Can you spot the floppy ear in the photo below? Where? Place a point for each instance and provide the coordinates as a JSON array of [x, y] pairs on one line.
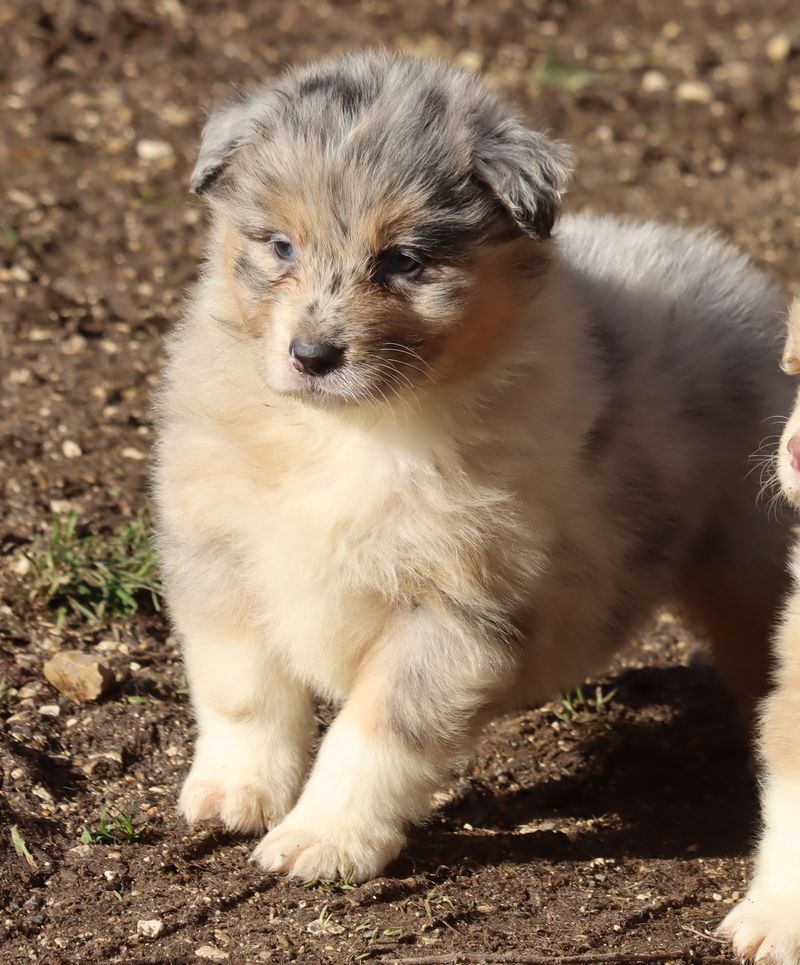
[[526, 170], [790, 363], [226, 130]]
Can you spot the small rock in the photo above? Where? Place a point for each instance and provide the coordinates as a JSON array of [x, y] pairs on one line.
[[71, 449], [150, 927], [74, 345], [654, 81], [79, 675], [694, 92], [43, 794], [49, 710], [208, 951], [779, 48], [31, 689], [150, 150], [21, 566], [130, 453], [22, 198], [61, 507], [19, 376], [81, 851], [470, 59]]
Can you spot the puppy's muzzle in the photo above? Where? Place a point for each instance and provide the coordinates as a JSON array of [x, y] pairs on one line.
[[315, 358]]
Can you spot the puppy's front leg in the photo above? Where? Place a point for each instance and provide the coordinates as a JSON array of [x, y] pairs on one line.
[[255, 727], [414, 707], [765, 926]]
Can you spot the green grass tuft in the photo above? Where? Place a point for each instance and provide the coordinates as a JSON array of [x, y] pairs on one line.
[[551, 72], [97, 576], [342, 885], [116, 826], [576, 703], [9, 235], [20, 846]]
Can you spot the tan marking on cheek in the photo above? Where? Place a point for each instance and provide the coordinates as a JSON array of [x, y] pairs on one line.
[[488, 319], [231, 247]]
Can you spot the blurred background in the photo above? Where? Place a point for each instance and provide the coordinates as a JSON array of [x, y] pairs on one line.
[[600, 822]]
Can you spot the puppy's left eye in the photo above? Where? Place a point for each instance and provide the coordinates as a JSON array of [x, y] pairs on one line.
[[396, 264], [283, 248]]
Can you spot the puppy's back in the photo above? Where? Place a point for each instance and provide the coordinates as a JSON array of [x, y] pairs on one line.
[[686, 331]]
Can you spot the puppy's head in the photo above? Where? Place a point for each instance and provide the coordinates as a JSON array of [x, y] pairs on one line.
[[789, 450], [378, 219]]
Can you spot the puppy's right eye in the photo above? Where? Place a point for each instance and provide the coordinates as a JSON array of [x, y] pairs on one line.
[[283, 248]]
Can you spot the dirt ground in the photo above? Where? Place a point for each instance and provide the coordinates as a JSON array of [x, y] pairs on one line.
[[613, 826]]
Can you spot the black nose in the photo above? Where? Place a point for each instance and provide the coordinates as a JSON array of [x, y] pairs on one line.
[[315, 358]]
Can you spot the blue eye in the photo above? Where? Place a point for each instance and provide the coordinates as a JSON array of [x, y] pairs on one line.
[[283, 248]]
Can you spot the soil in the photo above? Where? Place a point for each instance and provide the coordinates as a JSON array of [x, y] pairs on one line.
[[620, 829]]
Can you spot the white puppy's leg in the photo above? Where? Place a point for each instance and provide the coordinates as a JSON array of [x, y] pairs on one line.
[[255, 725], [765, 926], [412, 710]]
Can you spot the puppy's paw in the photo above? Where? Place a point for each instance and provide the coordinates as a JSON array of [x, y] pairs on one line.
[[245, 797], [243, 808], [327, 853], [764, 930]]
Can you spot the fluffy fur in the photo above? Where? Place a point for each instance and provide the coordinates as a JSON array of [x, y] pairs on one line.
[[527, 443], [765, 926]]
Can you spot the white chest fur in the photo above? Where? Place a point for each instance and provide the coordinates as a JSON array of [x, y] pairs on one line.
[[331, 543]]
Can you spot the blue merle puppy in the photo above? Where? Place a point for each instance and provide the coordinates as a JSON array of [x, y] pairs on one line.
[[428, 457]]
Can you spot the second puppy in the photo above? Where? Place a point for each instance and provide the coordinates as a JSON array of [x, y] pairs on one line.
[[765, 926], [423, 459]]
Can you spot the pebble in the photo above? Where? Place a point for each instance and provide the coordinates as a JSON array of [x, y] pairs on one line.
[[81, 851], [324, 928], [694, 92], [22, 198], [79, 675], [130, 453], [779, 48], [43, 794], [19, 376], [71, 449], [73, 345], [151, 150], [210, 952], [61, 507], [149, 927], [654, 81], [49, 710], [21, 566], [470, 59], [29, 690]]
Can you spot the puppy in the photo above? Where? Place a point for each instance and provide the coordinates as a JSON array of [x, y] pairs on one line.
[[765, 926], [422, 459]]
